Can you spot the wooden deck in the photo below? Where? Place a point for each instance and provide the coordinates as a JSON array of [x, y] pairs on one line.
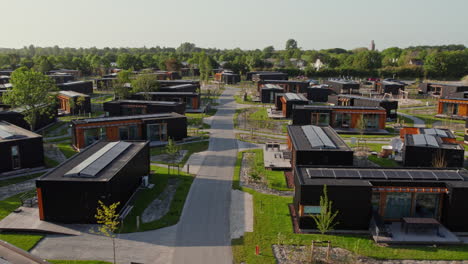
[[275, 159], [431, 237]]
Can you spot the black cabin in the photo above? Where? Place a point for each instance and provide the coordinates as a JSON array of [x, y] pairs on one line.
[[19, 148], [138, 107], [106, 171]]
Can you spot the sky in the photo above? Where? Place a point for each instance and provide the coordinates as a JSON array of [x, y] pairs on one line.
[[245, 24]]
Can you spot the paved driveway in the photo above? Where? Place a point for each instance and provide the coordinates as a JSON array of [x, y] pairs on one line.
[[203, 232], [201, 236]]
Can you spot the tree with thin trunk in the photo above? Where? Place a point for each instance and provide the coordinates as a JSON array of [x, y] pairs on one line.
[[80, 101], [32, 91], [325, 220], [172, 150], [108, 220]]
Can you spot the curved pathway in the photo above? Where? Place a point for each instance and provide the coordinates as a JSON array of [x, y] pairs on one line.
[[417, 121]]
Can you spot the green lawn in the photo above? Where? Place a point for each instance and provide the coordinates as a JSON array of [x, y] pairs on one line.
[[146, 196], [259, 114], [272, 225], [195, 119], [51, 131], [102, 99], [240, 100], [405, 120], [275, 179], [23, 241], [382, 162], [66, 149], [50, 163], [72, 117], [191, 147], [385, 137], [78, 262], [19, 179]]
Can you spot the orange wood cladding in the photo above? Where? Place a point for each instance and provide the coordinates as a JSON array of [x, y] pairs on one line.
[[64, 103], [195, 104], [462, 106], [283, 102], [112, 130], [40, 205], [355, 115]]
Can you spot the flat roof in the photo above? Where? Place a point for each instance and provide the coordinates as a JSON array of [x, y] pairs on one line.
[[272, 86], [331, 107], [145, 102], [99, 162], [270, 73], [454, 98], [441, 132], [429, 141], [73, 83], [121, 118], [352, 176], [178, 86], [365, 98], [392, 83], [312, 137], [168, 93], [11, 132], [455, 84], [285, 81], [320, 86], [72, 94], [294, 97], [343, 81]]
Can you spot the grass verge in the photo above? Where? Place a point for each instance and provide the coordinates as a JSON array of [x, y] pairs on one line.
[[275, 179], [66, 148], [272, 225], [190, 147], [78, 262], [19, 179], [145, 197], [23, 241]]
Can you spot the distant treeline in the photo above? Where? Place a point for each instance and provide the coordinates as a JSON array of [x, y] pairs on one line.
[[443, 62]]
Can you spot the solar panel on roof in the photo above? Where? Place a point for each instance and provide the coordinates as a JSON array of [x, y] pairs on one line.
[[372, 174], [347, 174], [436, 132], [99, 160], [448, 175], [425, 140], [397, 175], [323, 137]]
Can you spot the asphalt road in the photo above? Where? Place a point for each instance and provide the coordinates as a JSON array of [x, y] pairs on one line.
[[203, 231]]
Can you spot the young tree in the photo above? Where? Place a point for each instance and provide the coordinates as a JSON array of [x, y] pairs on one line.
[[172, 150], [325, 220], [145, 83], [108, 220], [80, 101], [31, 91]]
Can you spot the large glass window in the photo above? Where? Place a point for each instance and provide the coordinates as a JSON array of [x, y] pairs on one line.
[[128, 132], [312, 210], [94, 134], [123, 133], [15, 157], [342, 120], [426, 205], [321, 119], [398, 205], [157, 132], [375, 201], [371, 120]]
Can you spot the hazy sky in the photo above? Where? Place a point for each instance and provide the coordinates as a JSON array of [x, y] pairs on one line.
[[247, 24]]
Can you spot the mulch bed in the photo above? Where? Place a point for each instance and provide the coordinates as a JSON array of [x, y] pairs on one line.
[[289, 179], [294, 219]]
